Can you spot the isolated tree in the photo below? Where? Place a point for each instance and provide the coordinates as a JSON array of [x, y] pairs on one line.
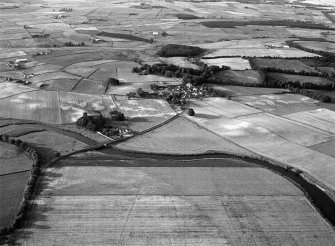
[[190, 112]]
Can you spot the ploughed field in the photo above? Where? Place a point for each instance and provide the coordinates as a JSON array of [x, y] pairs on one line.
[[113, 199]]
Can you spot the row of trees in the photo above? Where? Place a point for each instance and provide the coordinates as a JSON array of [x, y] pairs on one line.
[[27, 194], [274, 82], [317, 95], [70, 44], [189, 75]]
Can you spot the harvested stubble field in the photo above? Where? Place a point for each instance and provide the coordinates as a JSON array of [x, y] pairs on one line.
[[40, 106], [320, 118], [246, 78], [54, 107], [294, 65], [279, 104], [8, 89], [183, 137], [145, 113], [288, 129], [168, 202], [73, 105], [325, 148], [266, 143], [214, 107]]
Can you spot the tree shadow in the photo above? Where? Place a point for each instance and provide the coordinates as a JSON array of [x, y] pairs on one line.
[[207, 116]]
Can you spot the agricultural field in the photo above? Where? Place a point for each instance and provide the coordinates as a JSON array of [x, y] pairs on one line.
[[66, 57], [20, 130], [319, 118], [317, 46], [48, 144], [13, 160], [12, 188], [145, 113], [15, 168], [54, 107], [183, 137], [8, 89], [295, 65], [234, 90], [279, 104], [178, 61], [290, 130], [325, 148], [40, 106], [243, 78], [216, 106], [163, 201], [73, 105], [264, 142], [259, 52], [312, 82], [235, 63]]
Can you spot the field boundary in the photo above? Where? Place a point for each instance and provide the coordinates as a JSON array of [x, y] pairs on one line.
[[30, 185]]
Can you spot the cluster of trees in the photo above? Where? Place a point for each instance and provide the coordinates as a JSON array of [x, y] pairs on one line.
[[180, 50], [96, 121], [189, 75], [113, 81], [91, 122], [65, 10], [317, 95], [35, 171], [70, 44], [117, 116]]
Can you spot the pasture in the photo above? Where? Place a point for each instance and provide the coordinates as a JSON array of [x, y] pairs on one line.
[[244, 78], [235, 63], [317, 46], [12, 188], [309, 82], [295, 65]]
